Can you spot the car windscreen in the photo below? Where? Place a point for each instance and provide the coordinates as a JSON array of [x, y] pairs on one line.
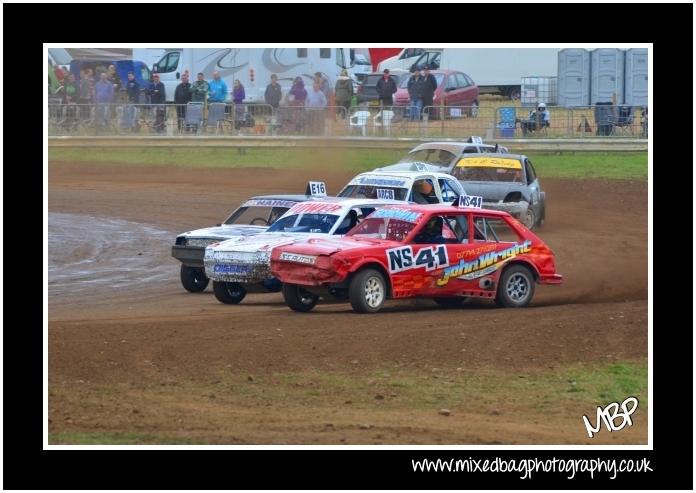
[[374, 192], [488, 169], [383, 228], [259, 212], [436, 157], [304, 223]]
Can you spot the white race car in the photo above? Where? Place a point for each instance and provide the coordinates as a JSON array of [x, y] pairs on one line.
[[242, 264], [251, 218], [415, 184]]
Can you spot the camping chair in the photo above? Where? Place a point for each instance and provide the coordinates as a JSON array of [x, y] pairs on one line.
[[383, 119], [358, 120], [507, 121], [194, 117], [622, 120], [216, 114], [603, 114]]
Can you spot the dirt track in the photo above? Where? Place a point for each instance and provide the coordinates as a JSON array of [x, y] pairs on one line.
[[148, 356]]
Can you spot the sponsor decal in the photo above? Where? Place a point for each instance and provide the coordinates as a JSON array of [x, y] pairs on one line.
[[230, 269], [314, 208], [379, 181], [385, 193], [489, 162], [296, 257], [473, 201], [403, 258], [484, 264], [400, 214], [268, 203]]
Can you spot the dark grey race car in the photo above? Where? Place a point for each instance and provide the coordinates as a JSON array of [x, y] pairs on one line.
[[507, 182]]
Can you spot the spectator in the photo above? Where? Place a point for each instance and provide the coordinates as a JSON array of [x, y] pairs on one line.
[[415, 93], [316, 104], [132, 89], [217, 89], [70, 89], [325, 87], [344, 92], [273, 93], [298, 93], [158, 98], [199, 89], [238, 96], [103, 96], [85, 94], [182, 96], [386, 87], [538, 119], [428, 90], [113, 77]]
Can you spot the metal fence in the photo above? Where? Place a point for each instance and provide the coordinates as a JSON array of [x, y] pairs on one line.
[[221, 119]]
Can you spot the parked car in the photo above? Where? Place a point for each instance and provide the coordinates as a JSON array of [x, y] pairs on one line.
[[367, 91], [446, 253], [454, 88], [507, 182]]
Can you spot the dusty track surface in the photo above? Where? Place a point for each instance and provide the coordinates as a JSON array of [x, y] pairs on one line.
[[136, 353]]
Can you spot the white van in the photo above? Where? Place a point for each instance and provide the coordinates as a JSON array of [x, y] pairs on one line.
[[252, 66]]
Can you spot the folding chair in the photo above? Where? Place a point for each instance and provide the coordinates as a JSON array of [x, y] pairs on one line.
[[383, 119], [216, 114], [359, 120], [622, 121], [507, 121], [194, 117]]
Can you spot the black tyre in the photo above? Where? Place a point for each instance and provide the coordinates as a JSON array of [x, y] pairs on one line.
[[193, 279], [451, 302], [230, 293], [298, 298], [516, 287], [367, 291]]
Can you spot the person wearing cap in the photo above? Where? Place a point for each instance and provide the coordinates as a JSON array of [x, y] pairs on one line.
[[538, 119], [428, 91], [386, 87]]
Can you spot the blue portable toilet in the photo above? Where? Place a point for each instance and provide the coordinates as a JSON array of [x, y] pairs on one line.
[[573, 77], [636, 77], [607, 76]]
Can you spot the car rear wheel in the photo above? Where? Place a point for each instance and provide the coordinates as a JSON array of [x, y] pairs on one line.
[[367, 291], [299, 299], [516, 287], [193, 279], [230, 293], [452, 302]]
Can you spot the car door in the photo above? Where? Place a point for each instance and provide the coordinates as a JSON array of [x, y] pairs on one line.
[[468, 92], [532, 181], [450, 92]]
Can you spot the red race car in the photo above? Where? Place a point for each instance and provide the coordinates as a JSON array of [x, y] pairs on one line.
[[447, 253]]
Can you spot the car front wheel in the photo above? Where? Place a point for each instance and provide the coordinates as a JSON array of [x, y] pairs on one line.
[[229, 293], [529, 218], [367, 291], [193, 279], [516, 287], [298, 298]]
